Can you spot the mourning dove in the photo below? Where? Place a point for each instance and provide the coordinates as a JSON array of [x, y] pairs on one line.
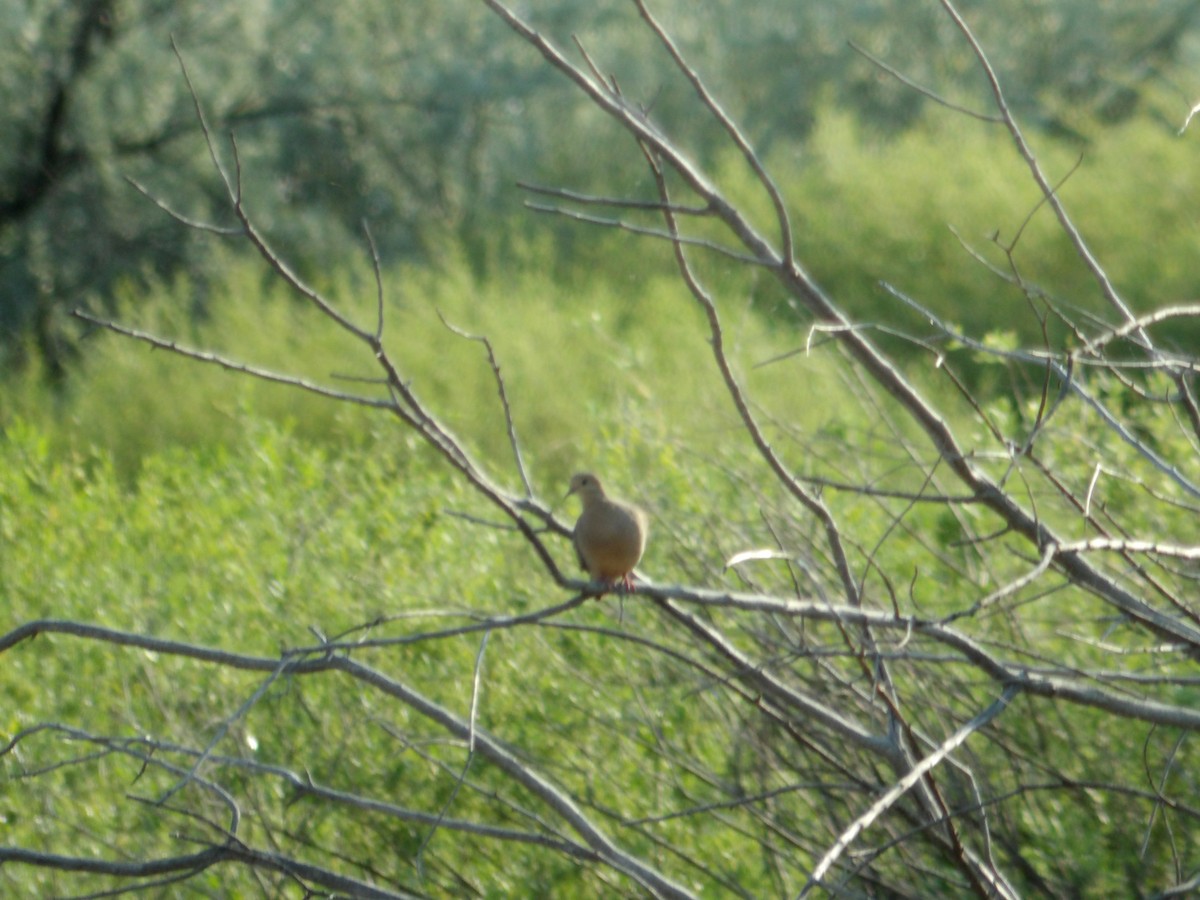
[[609, 535]]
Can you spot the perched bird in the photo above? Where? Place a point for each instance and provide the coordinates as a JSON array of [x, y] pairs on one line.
[[609, 535]]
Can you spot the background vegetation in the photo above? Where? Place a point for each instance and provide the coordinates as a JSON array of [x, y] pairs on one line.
[[160, 498], [420, 117]]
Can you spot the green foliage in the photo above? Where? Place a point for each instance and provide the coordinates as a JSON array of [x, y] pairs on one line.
[[579, 361], [250, 548], [418, 117], [597, 318], [258, 548], [911, 211], [263, 542]]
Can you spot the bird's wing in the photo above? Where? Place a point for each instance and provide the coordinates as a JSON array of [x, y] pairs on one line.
[[578, 552]]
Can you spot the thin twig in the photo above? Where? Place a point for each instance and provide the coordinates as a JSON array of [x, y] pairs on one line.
[[223, 231], [880, 806], [232, 365], [622, 225], [471, 720], [1107, 288], [654, 206], [735, 134], [510, 426], [376, 269], [920, 88]]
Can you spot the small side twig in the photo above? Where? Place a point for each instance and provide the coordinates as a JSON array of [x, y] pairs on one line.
[[783, 220], [232, 365], [511, 428], [920, 88]]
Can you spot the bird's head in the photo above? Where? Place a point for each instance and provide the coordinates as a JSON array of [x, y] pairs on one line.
[[587, 486]]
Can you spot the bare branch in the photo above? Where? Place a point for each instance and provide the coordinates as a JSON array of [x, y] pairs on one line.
[[1068, 226], [906, 783], [644, 231], [921, 89], [180, 217], [194, 863], [739, 140], [510, 427], [620, 202], [231, 365]]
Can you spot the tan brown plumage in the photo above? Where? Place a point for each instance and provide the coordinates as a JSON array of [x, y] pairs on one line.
[[610, 536]]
